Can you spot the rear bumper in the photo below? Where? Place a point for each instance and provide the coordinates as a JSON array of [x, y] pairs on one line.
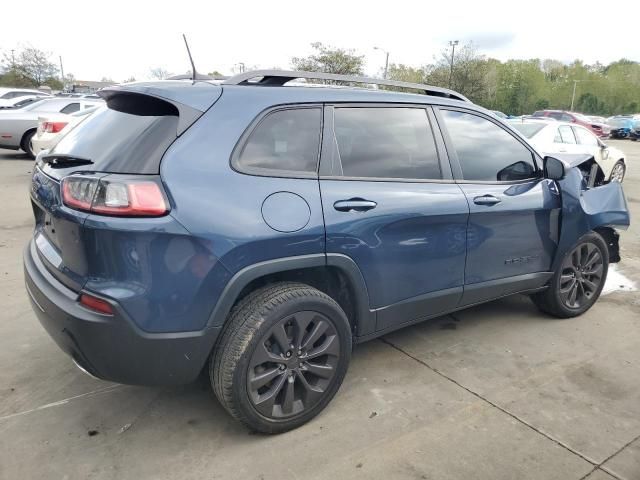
[[112, 347]]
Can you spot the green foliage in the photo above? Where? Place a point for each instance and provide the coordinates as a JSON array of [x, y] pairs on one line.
[[28, 67], [522, 86], [330, 60]]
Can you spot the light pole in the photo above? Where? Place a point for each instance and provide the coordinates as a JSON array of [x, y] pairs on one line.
[[452, 44], [573, 95], [62, 72], [240, 66], [386, 61]]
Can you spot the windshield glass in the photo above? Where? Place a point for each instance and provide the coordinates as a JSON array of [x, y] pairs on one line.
[[620, 122], [528, 129], [581, 117]]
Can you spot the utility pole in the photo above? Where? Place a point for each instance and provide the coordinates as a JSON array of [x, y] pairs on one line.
[[13, 60], [61, 72], [386, 62], [573, 95], [241, 66], [452, 44]]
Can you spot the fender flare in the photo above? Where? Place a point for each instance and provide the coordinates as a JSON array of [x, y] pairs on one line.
[[365, 318]]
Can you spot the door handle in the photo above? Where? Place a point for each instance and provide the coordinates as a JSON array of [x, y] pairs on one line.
[[354, 204], [486, 200]]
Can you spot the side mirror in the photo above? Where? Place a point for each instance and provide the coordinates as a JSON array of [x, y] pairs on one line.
[[553, 168]]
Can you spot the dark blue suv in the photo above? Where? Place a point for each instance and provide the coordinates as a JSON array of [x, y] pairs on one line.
[[256, 230]]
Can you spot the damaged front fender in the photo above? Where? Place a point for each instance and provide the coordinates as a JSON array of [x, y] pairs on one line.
[[586, 208]]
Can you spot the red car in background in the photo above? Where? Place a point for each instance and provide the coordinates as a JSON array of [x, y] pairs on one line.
[[602, 130]]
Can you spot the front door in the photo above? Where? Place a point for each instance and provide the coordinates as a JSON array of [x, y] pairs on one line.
[[514, 211], [391, 206]]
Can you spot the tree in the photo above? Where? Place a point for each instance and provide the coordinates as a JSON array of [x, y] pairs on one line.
[[330, 60], [32, 65], [469, 76], [215, 74], [130, 79], [406, 73], [159, 73]]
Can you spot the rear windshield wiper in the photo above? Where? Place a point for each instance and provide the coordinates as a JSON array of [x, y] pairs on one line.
[[63, 161]]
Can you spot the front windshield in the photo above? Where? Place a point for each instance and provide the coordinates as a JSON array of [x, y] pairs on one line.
[[579, 116], [620, 122], [528, 129]]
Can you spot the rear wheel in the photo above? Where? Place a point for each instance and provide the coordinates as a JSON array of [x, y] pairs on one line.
[[27, 143], [617, 172], [282, 357], [577, 283]]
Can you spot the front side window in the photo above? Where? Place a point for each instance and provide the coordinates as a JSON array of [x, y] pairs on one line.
[[285, 140], [487, 152], [585, 137], [386, 143], [566, 135]]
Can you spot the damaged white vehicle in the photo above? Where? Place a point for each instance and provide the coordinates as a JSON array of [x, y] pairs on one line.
[[558, 138]]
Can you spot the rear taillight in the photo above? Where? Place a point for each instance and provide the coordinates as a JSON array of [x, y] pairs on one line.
[[126, 197], [96, 304], [53, 127]]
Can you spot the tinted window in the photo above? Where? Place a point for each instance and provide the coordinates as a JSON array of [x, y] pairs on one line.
[[120, 142], [386, 143], [566, 134], [72, 107], [284, 140], [566, 118], [585, 137], [486, 151]]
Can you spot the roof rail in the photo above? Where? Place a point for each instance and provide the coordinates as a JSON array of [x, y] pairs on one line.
[[280, 77]]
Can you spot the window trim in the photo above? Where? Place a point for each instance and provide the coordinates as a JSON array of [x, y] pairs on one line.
[[453, 156], [268, 172], [329, 134]]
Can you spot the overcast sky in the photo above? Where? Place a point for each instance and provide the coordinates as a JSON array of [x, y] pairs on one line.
[[118, 39]]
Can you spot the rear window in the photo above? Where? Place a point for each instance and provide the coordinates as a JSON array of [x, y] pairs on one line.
[[119, 142], [528, 129]]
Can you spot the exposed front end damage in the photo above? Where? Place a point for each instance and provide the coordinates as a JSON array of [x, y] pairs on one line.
[[588, 203]]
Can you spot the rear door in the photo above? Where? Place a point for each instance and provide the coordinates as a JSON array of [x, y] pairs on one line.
[[391, 206], [513, 222]]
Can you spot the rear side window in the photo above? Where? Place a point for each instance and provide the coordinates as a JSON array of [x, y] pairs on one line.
[[120, 142], [386, 143], [485, 151], [71, 108], [283, 141]]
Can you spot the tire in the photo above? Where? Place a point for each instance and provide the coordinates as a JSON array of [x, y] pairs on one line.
[[572, 274], [617, 172], [26, 145], [252, 364]]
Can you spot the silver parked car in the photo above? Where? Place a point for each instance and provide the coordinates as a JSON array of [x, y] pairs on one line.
[[17, 127]]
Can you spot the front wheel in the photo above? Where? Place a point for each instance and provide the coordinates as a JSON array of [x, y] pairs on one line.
[[617, 172], [577, 283], [282, 357]]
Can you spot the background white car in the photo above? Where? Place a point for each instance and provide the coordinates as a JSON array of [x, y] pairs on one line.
[[8, 95], [18, 127], [550, 138], [51, 128]]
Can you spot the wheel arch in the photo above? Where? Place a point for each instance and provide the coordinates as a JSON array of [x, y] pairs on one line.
[[25, 134], [334, 274]]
